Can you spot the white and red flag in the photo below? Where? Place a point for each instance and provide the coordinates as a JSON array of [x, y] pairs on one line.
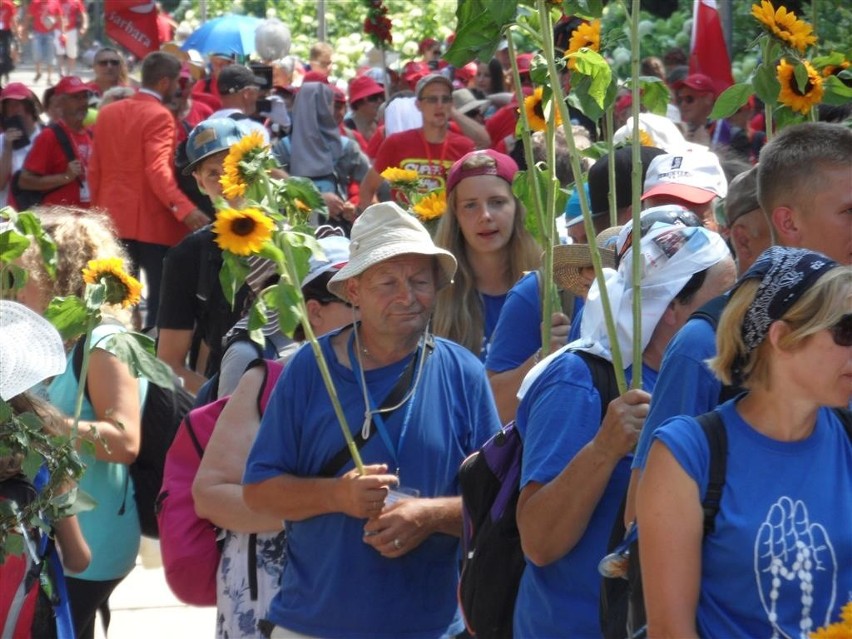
[[708, 53], [133, 25]]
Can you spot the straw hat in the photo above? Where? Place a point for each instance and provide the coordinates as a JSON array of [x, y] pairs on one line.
[[568, 259], [32, 349], [384, 231]]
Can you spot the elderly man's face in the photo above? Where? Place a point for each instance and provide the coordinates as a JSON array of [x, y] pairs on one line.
[[396, 296]]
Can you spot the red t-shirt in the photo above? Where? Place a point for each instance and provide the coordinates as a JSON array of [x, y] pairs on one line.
[[46, 15], [408, 150], [7, 14], [46, 157], [73, 11]]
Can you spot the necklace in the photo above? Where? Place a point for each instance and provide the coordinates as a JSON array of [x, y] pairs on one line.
[[368, 412]]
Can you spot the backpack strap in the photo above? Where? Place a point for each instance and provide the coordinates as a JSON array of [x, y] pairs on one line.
[[64, 141], [717, 439], [603, 378], [338, 461]]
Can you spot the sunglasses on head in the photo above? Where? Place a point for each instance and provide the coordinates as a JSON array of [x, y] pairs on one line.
[[435, 99], [664, 216], [841, 332], [112, 63]]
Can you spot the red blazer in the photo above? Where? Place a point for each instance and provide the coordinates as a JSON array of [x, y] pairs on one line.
[[131, 171]]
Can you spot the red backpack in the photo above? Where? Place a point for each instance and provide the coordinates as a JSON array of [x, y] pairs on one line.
[[188, 543]]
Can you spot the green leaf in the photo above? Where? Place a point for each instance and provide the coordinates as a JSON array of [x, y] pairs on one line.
[[12, 245], [286, 300], [14, 545], [305, 190], [5, 412], [69, 315], [835, 91], [800, 72], [654, 93], [595, 77], [596, 151], [479, 27], [257, 314], [95, 296], [766, 83], [584, 8], [832, 59], [32, 463], [784, 117], [137, 351], [12, 277], [731, 99], [82, 503], [232, 275], [538, 71]]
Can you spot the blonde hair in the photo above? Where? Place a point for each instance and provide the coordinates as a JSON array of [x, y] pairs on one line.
[[459, 312], [820, 307], [80, 235]]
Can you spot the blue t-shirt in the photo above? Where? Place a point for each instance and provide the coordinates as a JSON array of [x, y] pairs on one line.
[[782, 543], [518, 332], [111, 528], [492, 305], [559, 415], [686, 386], [334, 585]]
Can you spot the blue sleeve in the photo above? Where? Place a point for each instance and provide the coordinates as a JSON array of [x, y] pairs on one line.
[[518, 332], [685, 439], [558, 416], [685, 386]]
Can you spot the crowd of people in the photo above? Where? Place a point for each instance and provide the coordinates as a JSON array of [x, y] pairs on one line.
[[434, 342]]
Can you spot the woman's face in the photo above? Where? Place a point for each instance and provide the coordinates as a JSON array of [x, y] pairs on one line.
[[483, 77], [823, 369], [485, 210]]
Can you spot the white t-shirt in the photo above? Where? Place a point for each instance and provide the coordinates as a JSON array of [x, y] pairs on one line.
[[18, 157]]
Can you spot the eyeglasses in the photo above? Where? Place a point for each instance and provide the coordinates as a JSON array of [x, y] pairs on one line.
[[111, 63], [435, 99], [841, 332]]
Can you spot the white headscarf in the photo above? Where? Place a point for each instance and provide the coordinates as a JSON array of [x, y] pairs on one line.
[[401, 115], [671, 254]]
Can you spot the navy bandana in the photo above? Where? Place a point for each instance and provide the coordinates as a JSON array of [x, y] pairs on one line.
[[785, 275]]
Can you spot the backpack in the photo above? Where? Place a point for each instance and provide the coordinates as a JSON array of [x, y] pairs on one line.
[[492, 559], [26, 199], [162, 413], [630, 610], [188, 543]]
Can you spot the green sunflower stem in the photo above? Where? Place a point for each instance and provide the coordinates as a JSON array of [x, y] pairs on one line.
[[636, 202], [767, 107], [289, 269], [81, 382], [538, 198], [576, 169], [613, 205]]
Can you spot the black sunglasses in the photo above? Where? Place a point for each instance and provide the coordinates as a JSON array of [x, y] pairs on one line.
[[113, 63], [841, 332]]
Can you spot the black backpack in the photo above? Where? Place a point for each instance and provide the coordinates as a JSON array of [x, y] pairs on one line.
[[492, 560], [26, 199], [162, 413]]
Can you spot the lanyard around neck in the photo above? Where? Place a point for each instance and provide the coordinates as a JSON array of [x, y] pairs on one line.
[[374, 414]]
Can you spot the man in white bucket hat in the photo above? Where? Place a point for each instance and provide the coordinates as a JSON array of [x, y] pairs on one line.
[[374, 555]]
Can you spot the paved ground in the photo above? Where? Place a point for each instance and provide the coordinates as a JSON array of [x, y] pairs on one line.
[[143, 607]]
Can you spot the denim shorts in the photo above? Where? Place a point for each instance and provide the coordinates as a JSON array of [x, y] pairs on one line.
[[43, 50]]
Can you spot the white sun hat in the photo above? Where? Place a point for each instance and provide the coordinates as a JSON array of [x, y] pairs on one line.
[[31, 349], [384, 231]]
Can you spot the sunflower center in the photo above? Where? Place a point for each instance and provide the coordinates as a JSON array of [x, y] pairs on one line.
[[538, 109], [243, 226], [794, 86]]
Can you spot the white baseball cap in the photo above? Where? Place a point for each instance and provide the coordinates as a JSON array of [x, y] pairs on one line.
[[696, 177]]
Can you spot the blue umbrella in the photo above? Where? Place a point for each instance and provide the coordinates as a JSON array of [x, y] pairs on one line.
[[232, 34]]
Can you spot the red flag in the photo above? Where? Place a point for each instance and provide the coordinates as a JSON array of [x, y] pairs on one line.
[[133, 25], [708, 53]]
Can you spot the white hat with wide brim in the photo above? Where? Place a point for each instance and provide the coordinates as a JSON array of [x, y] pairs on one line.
[[384, 231], [31, 349]]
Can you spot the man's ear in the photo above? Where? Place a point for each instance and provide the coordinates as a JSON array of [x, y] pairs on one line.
[[314, 311], [785, 222], [352, 286]]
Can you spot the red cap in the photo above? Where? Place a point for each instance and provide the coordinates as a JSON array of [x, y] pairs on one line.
[[339, 95], [698, 82], [504, 168], [17, 91], [363, 86], [70, 84], [524, 62], [315, 76], [427, 43], [466, 73]]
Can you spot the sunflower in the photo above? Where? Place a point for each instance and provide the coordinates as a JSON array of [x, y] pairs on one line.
[[784, 25], [535, 111], [432, 206], [834, 69], [398, 176], [791, 96], [121, 288], [587, 35], [243, 231], [234, 181], [840, 630]]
